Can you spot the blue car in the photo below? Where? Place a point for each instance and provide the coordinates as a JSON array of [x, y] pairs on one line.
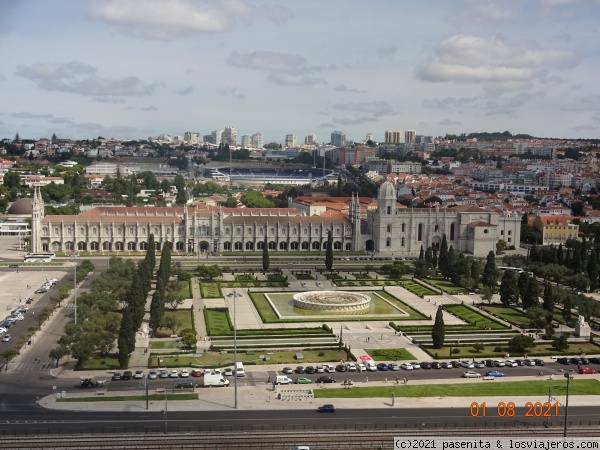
[[382, 366], [494, 373]]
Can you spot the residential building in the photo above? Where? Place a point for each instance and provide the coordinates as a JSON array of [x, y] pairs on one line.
[[229, 136], [556, 230], [393, 137], [310, 139], [409, 137], [290, 140], [338, 138]]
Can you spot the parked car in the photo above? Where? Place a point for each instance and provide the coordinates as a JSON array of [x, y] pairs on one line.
[[499, 363], [326, 409], [3, 330], [197, 373], [529, 362], [309, 370], [126, 375], [174, 374], [447, 365], [540, 362], [361, 367], [393, 366], [406, 366], [184, 373], [425, 365], [164, 373], [228, 372], [325, 379], [320, 369], [303, 380], [6, 338], [489, 363], [510, 363], [416, 365], [494, 373], [467, 365], [288, 370], [436, 365], [564, 361], [479, 364], [329, 368], [455, 364], [138, 375], [595, 360], [299, 369], [29, 301], [584, 370], [352, 367], [341, 368], [152, 375], [116, 376], [382, 367], [520, 362], [470, 374]]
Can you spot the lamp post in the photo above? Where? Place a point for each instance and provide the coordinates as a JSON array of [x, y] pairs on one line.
[[74, 258], [568, 376], [235, 396]]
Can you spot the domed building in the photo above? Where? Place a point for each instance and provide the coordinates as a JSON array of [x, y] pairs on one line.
[[21, 207], [13, 223]]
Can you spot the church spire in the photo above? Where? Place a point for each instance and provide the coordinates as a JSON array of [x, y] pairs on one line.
[[37, 213]]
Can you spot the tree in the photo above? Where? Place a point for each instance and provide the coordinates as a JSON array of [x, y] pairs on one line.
[[157, 306], [438, 332], [538, 317], [58, 353], [509, 289], [548, 299], [189, 338], [521, 343], [487, 294], [443, 257], [173, 296], [560, 343], [126, 340], [478, 347], [522, 283], [329, 252], [490, 272], [172, 323], [151, 252], [209, 271], [532, 294], [265, 255]]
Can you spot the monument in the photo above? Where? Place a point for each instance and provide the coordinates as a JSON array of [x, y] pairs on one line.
[[333, 301], [582, 329]]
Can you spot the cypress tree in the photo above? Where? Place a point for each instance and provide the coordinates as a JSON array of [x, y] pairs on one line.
[[522, 283], [151, 252], [592, 270], [443, 257], [532, 296], [421, 254], [490, 273], [560, 255], [329, 251], [429, 257], [265, 255], [157, 306], [509, 288], [126, 340], [548, 304], [438, 332]]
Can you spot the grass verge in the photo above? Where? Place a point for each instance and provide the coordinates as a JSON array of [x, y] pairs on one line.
[[475, 389]]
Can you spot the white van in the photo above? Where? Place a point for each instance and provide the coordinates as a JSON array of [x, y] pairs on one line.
[[371, 366], [282, 379], [239, 370]]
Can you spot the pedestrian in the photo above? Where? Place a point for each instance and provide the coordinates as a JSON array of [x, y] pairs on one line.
[[405, 381], [397, 379], [385, 380], [366, 379]]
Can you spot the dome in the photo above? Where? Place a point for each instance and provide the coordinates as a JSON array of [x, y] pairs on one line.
[[387, 191], [22, 206]]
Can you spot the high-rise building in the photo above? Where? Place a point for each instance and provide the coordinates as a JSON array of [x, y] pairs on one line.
[[338, 138], [310, 139], [191, 137], [217, 136], [229, 136], [369, 137], [246, 141], [409, 137], [393, 137], [257, 141], [290, 140]]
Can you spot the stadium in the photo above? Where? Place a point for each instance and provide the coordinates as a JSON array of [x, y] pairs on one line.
[[261, 176]]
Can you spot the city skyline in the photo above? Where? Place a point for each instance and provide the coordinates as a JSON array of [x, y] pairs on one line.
[[129, 70]]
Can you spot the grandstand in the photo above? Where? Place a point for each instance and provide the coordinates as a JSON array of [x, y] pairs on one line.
[[261, 176]]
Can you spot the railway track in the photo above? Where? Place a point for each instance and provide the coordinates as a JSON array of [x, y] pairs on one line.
[[338, 440]]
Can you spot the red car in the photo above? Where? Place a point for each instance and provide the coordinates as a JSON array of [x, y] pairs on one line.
[[586, 370]]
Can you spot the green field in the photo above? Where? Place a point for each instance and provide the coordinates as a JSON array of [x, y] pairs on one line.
[[446, 286], [509, 314], [417, 288], [390, 354], [474, 389], [184, 316], [472, 317]]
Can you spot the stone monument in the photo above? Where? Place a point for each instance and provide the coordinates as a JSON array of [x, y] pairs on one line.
[[582, 329]]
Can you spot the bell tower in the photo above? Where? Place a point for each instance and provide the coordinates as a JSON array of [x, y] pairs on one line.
[[37, 213]]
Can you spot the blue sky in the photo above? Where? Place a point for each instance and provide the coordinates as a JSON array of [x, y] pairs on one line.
[[139, 68]]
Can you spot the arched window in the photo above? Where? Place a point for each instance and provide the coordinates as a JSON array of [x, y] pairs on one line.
[[451, 231], [119, 246], [272, 245], [260, 245], [348, 246], [294, 245], [283, 246], [131, 246], [403, 227], [94, 246], [389, 210], [388, 242], [249, 246], [143, 246], [227, 245], [179, 246], [315, 246], [81, 246], [389, 228], [305, 246], [420, 232], [239, 245], [337, 245], [402, 242]]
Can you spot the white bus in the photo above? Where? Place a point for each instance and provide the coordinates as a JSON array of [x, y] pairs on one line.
[[39, 257], [239, 370]]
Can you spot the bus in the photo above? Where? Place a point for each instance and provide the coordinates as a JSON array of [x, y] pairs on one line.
[[39, 257]]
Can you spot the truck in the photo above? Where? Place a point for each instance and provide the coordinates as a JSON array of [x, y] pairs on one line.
[[213, 378]]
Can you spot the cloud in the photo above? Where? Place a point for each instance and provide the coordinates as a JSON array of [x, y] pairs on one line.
[[149, 108], [95, 129], [174, 19], [449, 122], [448, 102], [82, 79], [584, 128], [587, 103], [478, 12], [108, 100], [234, 93], [283, 68], [386, 52], [357, 113], [472, 59], [327, 125], [509, 105], [49, 117], [344, 88], [185, 91]]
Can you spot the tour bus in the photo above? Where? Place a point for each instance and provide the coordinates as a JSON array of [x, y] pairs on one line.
[[39, 257], [239, 370]]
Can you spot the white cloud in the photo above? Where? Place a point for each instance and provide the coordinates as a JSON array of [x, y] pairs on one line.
[[82, 79], [149, 108], [357, 113], [448, 102], [449, 122], [587, 103], [472, 59], [511, 104], [283, 68], [49, 117], [185, 91], [173, 19]]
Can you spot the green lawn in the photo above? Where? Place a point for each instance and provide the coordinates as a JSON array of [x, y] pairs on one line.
[[183, 315], [184, 289], [390, 354], [210, 290], [446, 285], [218, 322], [160, 345], [472, 317], [217, 359], [99, 362], [417, 289], [509, 314], [474, 389]]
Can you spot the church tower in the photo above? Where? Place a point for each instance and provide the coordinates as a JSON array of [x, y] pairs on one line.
[[356, 223], [37, 213]]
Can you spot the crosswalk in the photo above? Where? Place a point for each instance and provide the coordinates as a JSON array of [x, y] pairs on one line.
[[29, 366]]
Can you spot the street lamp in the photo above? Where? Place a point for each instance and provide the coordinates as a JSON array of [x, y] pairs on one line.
[[235, 396], [74, 258], [568, 376]]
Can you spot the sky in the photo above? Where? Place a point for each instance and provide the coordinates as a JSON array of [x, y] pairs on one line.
[[131, 69]]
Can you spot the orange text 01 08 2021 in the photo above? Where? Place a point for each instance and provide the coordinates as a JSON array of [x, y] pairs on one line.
[[508, 409]]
